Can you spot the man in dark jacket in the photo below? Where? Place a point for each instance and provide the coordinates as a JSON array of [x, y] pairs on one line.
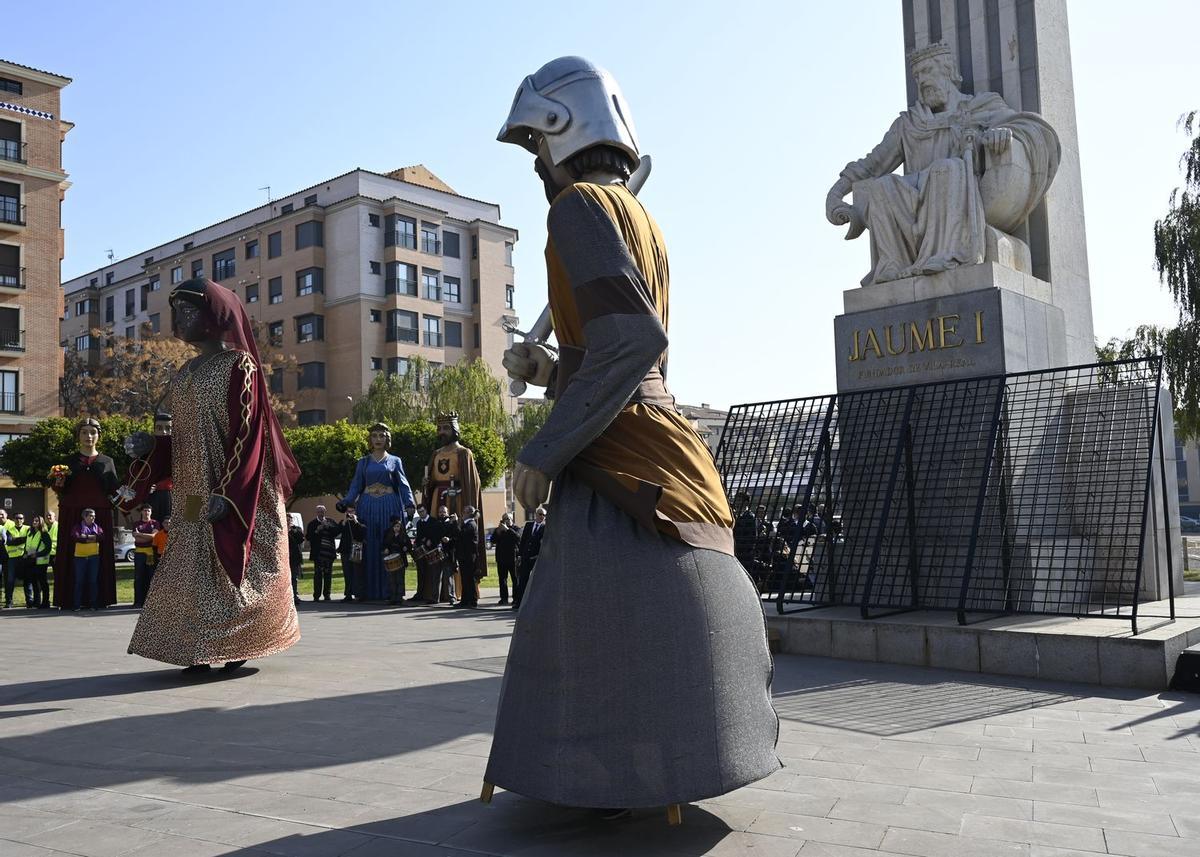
[[466, 553], [426, 537], [506, 539], [531, 544], [354, 535], [322, 549]]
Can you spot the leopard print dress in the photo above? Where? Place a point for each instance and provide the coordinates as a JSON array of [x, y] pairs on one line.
[[194, 614]]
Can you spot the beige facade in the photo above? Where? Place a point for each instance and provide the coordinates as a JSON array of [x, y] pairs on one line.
[[353, 276], [32, 187]]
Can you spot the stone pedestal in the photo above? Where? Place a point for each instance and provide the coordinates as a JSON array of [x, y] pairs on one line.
[[964, 323]]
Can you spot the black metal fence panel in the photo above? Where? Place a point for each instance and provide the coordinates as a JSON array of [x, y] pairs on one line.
[[1025, 493]]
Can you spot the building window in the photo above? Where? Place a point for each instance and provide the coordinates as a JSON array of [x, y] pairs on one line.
[[310, 328], [376, 364], [130, 305], [275, 290], [429, 239], [452, 289], [401, 279], [274, 245], [85, 306], [312, 376], [224, 266], [310, 234], [197, 268], [454, 334], [144, 297], [13, 86], [176, 276], [433, 331], [155, 285], [187, 245], [508, 296], [450, 245], [400, 232], [147, 261], [478, 339], [433, 288], [373, 220], [129, 332], [110, 309], [94, 282], [311, 199], [108, 278], [314, 417], [11, 210], [475, 290], [252, 293], [474, 246], [155, 323], [376, 268], [397, 366], [310, 280], [375, 316], [402, 326], [252, 249], [276, 381], [287, 209], [83, 343], [10, 395], [508, 251], [275, 333]]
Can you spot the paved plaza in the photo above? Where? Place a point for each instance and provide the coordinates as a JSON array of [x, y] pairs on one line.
[[371, 735]]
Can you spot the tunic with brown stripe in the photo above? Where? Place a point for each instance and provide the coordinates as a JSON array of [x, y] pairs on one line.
[[614, 422]]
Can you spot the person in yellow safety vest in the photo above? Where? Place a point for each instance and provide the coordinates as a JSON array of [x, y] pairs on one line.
[[52, 528], [18, 532], [37, 562]]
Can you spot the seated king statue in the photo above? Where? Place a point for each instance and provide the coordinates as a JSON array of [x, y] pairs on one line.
[[974, 169]]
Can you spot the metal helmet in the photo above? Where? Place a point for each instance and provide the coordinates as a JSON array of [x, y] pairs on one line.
[[572, 104]]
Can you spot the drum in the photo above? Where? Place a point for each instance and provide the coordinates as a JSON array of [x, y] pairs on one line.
[[393, 562]]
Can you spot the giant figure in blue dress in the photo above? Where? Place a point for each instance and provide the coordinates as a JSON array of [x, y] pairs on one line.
[[378, 491]]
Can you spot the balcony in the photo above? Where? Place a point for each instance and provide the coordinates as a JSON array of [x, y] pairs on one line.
[[403, 334], [12, 340], [397, 238], [12, 214], [432, 246], [434, 339], [12, 151], [12, 277], [397, 286], [12, 403]]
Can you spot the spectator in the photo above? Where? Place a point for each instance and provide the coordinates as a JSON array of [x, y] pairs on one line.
[[531, 545], [52, 527], [506, 539], [295, 551], [18, 532], [4, 551], [144, 557], [160, 538], [466, 553], [37, 562], [353, 537], [744, 530], [396, 548], [86, 537], [322, 549]]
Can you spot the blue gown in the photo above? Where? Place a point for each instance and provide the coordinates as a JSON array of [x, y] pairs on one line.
[[376, 514]]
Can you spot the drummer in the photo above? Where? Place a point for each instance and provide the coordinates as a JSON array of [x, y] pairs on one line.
[[427, 555], [396, 548]]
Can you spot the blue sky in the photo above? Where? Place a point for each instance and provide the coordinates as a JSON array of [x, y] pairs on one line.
[[183, 111]]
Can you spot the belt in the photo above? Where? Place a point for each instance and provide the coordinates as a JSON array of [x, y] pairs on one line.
[[378, 489], [652, 390]]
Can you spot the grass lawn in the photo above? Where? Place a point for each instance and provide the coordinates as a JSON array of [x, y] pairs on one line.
[[125, 580]]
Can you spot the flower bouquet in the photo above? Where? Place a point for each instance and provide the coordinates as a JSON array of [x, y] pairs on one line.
[[58, 475]]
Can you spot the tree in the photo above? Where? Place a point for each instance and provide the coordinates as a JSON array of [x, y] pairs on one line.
[[326, 455], [425, 390], [531, 418], [132, 375], [27, 460], [1177, 260]]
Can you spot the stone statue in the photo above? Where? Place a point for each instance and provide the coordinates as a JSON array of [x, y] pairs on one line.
[[974, 169]]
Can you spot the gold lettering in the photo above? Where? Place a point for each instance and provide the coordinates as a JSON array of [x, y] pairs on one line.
[[916, 341], [855, 354], [979, 327], [945, 329], [887, 341], [873, 343]]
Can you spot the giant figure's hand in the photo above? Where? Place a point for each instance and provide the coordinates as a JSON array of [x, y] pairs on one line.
[[529, 362], [531, 487], [218, 508], [997, 140]]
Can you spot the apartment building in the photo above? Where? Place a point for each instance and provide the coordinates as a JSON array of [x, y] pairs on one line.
[[353, 276], [32, 187]]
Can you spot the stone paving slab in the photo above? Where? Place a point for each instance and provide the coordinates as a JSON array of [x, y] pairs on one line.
[[371, 735]]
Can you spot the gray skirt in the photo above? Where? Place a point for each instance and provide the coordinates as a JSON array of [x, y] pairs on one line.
[[638, 674]]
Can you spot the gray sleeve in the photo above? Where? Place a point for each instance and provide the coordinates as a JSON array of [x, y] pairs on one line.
[[623, 335], [880, 161]]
